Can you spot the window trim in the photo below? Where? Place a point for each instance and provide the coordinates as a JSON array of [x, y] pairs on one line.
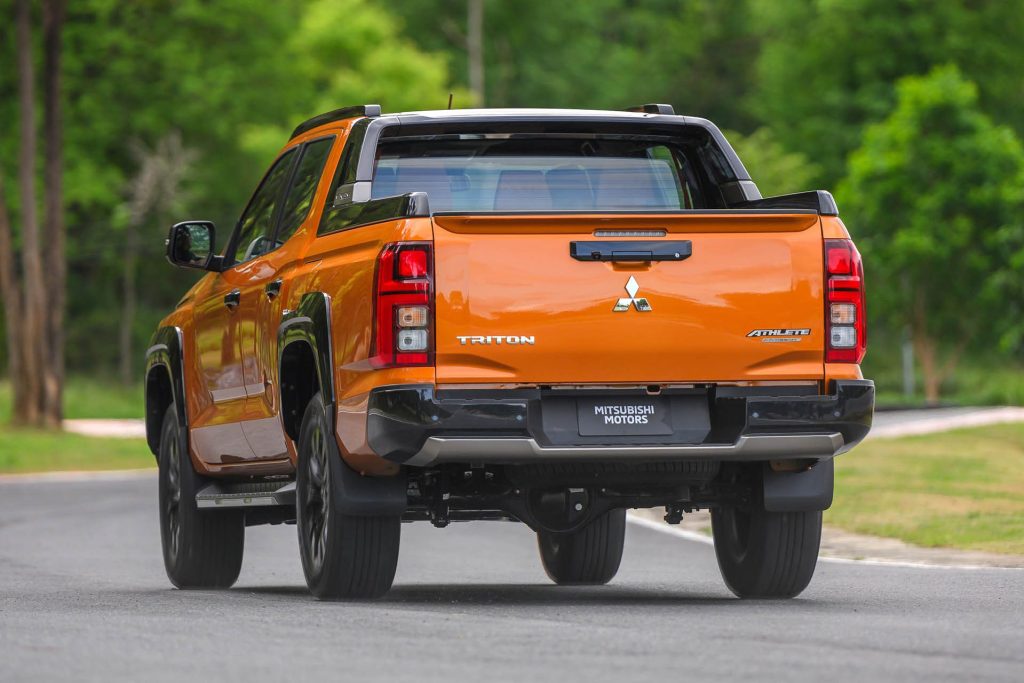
[[232, 245], [373, 130], [291, 180]]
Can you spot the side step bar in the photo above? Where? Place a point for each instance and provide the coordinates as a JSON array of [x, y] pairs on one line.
[[246, 494]]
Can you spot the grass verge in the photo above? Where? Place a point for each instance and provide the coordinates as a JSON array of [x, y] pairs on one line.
[[977, 380], [88, 398], [23, 450], [960, 489]]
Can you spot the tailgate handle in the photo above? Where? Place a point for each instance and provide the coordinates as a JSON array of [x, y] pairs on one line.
[[631, 251]]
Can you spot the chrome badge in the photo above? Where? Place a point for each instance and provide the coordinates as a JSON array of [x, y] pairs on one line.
[[639, 302], [777, 335], [513, 339]]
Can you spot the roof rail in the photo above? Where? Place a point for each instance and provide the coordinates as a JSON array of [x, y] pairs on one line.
[[371, 110], [654, 109]]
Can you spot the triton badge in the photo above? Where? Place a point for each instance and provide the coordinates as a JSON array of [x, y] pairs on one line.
[[639, 302], [502, 339]]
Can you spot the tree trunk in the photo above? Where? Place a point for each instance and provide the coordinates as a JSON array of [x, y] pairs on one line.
[[128, 303], [924, 347], [32, 330], [152, 191], [928, 350], [53, 22], [37, 331], [475, 49], [10, 293]]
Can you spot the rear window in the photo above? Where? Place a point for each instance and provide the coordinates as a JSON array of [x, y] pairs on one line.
[[500, 173]]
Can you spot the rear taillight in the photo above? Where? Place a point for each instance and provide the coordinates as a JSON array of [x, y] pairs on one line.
[[403, 308], [845, 319]]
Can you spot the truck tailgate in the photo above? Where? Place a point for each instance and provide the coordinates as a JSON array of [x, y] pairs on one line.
[[514, 306]]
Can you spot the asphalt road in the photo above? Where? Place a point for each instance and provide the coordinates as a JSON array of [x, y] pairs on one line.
[[83, 596]]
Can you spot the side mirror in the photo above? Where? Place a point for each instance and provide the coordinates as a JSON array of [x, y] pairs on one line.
[[190, 245]]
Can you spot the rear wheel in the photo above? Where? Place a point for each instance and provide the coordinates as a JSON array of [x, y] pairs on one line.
[[588, 556], [343, 556], [766, 554], [201, 549]]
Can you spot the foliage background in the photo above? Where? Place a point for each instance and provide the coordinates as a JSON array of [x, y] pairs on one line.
[[809, 91]]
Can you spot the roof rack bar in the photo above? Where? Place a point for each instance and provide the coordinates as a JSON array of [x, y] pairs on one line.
[[654, 109], [370, 110]]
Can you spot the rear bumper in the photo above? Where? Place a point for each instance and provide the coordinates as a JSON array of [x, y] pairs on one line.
[[416, 425]]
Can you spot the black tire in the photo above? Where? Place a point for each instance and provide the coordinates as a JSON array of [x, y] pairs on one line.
[[343, 556], [201, 549], [589, 556], [765, 554]]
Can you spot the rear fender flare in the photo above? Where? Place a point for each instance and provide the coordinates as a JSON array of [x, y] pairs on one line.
[[310, 324]]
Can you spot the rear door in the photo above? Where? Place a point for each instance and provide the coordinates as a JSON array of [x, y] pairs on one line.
[[262, 315], [225, 323], [513, 303]]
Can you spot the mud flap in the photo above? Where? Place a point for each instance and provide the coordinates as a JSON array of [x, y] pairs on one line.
[[799, 491], [368, 496]]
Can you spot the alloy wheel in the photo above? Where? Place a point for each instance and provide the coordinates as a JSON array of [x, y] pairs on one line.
[[316, 508], [172, 499]]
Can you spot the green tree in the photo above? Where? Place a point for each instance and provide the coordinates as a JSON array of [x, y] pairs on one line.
[[233, 77], [135, 72], [828, 68], [603, 54], [936, 191], [349, 52]]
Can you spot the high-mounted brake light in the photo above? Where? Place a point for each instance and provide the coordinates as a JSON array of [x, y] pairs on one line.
[[845, 316], [403, 306]]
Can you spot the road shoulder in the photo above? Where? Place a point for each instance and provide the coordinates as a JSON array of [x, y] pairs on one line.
[[844, 545]]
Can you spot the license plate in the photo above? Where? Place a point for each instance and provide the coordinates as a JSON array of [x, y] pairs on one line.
[[624, 416]]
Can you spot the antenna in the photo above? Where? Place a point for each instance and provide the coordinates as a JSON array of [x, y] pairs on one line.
[[450, 96]]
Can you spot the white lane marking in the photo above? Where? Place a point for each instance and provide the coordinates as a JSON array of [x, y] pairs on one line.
[[707, 540], [874, 562], [77, 475]]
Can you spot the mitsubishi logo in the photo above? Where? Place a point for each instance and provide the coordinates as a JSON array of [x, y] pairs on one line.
[[639, 302]]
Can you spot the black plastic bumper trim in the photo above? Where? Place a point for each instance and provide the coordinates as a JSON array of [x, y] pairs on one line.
[[400, 419]]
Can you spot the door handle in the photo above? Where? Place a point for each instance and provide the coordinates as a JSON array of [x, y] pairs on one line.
[[631, 251], [232, 299], [272, 289]]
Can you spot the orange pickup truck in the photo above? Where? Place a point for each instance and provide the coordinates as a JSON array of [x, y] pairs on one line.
[[544, 316]]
